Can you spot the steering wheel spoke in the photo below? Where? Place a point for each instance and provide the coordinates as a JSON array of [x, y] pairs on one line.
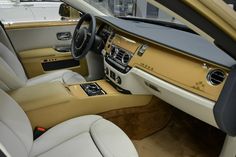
[[83, 38]]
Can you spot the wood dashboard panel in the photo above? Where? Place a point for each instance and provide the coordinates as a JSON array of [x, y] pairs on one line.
[[125, 43], [184, 71]]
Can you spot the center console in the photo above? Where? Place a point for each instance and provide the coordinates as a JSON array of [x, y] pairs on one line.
[[118, 54], [55, 102], [118, 58]]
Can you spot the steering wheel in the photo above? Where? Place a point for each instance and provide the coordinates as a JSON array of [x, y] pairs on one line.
[[83, 38]]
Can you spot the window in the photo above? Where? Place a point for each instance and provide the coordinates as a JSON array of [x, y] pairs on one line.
[[29, 11], [136, 8]]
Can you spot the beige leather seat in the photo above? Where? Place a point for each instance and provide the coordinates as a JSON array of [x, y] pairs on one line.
[[12, 74], [86, 136]]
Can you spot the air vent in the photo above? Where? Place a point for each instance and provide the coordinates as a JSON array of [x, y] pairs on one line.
[[119, 55], [216, 77], [126, 58]]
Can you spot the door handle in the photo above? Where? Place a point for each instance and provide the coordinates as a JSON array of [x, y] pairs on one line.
[[64, 36]]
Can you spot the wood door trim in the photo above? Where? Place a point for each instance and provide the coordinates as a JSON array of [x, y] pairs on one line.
[[25, 25]]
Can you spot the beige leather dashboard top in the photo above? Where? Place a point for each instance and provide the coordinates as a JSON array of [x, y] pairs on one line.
[[177, 68]]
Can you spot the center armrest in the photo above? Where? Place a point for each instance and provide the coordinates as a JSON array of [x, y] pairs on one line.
[[41, 95]]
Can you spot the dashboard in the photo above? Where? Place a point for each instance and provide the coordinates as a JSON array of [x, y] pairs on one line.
[[189, 81], [195, 75]]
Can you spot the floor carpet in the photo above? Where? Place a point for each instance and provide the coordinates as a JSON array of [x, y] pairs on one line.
[[184, 136]]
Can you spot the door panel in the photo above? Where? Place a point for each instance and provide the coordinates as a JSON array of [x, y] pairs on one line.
[[35, 61], [38, 35], [35, 45]]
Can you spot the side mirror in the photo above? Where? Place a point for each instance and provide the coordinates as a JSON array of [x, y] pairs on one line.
[[64, 10]]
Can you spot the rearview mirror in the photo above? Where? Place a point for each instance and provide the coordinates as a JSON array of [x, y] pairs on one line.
[[64, 10], [67, 12]]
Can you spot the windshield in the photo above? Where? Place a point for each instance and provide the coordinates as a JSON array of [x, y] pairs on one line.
[[131, 8]]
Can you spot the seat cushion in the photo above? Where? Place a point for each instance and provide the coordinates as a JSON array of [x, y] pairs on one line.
[[64, 76], [86, 136]]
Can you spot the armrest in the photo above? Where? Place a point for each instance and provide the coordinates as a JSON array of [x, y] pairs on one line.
[[41, 95]]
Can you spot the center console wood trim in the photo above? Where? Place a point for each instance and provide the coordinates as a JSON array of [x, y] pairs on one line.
[[51, 103], [79, 93]]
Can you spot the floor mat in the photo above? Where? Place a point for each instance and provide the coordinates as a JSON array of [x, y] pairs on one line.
[[184, 136]]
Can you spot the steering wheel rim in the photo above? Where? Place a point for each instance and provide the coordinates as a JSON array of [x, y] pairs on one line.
[[83, 38]]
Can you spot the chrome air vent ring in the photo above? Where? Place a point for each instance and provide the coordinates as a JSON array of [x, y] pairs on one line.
[[120, 55], [126, 58], [216, 77]]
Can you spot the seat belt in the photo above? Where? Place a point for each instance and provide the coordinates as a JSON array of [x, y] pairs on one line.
[[38, 131]]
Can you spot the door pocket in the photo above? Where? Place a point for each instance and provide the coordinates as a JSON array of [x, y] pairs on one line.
[[62, 64]]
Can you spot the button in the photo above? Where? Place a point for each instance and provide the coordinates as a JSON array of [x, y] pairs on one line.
[[118, 80], [106, 71], [112, 75], [127, 69], [142, 50]]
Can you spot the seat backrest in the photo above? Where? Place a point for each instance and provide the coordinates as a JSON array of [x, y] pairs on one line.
[[15, 129], [12, 74]]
